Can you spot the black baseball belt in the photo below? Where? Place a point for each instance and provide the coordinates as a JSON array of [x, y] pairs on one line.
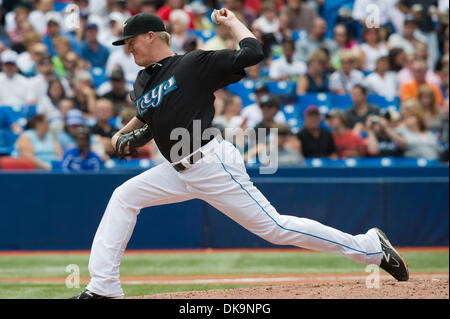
[[194, 157]]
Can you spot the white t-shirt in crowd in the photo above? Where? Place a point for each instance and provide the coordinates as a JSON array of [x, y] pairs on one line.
[[268, 26], [15, 91], [338, 80], [372, 54], [254, 115], [386, 86], [126, 62], [280, 67]]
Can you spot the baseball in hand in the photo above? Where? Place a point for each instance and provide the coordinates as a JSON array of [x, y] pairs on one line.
[[213, 17]]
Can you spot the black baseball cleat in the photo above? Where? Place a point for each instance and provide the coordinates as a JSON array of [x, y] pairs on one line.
[[86, 294], [392, 262]]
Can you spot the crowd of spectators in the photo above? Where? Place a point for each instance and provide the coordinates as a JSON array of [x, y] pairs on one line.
[[51, 59]]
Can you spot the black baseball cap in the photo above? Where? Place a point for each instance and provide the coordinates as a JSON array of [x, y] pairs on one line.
[[140, 23]]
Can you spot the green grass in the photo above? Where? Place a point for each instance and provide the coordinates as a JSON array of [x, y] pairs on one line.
[[54, 265]]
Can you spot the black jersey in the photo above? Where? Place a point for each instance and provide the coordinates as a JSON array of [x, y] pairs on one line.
[[174, 92]]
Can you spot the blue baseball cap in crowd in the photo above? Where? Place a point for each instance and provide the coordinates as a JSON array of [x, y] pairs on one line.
[[74, 117]]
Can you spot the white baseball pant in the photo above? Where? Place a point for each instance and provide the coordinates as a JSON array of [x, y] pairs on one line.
[[220, 178]]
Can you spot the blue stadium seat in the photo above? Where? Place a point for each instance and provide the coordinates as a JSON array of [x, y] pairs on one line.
[[383, 102], [297, 34], [341, 101], [281, 87], [98, 75], [244, 89], [19, 114], [59, 5], [321, 100]]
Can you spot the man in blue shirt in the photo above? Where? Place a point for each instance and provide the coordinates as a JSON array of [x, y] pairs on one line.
[[81, 158], [92, 50], [54, 30]]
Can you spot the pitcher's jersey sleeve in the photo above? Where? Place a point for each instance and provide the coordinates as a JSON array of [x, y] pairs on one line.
[[223, 67]]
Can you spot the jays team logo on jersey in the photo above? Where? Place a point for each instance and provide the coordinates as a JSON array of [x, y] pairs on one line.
[[154, 97]]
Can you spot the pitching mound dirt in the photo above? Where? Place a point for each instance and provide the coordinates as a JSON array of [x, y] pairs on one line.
[[420, 286]]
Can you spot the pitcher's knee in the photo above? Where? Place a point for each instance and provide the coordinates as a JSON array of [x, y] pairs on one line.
[[123, 194]]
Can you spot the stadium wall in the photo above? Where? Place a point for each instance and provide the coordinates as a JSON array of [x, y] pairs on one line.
[[62, 211]]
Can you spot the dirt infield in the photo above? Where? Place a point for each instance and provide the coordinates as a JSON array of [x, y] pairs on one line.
[[420, 286]]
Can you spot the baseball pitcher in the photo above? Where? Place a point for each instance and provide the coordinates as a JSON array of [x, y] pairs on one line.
[[171, 94]]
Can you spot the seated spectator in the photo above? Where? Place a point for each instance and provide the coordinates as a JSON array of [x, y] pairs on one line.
[[14, 88], [54, 21], [411, 89], [372, 48], [231, 112], [84, 93], [288, 147], [268, 20], [27, 60], [113, 32], [382, 82], [407, 106], [39, 83], [66, 139], [348, 143], [123, 59], [379, 140], [253, 113], [222, 40], [81, 158], [238, 7], [37, 145], [179, 23], [285, 68], [316, 79], [315, 141], [343, 39], [406, 74], [69, 62], [343, 80], [284, 29], [358, 113], [397, 60], [49, 105], [302, 15], [92, 50], [314, 41], [62, 48], [409, 38], [422, 11], [270, 106], [103, 130], [414, 138], [19, 26], [169, 5], [116, 90], [430, 108], [344, 43], [199, 11]]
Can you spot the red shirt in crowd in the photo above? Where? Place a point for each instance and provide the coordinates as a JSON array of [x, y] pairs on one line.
[[349, 145]]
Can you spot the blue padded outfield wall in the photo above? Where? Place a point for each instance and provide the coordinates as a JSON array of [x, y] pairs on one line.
[[62, 211]]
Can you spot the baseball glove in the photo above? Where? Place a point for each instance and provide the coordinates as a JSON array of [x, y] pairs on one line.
[[134, 140]]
